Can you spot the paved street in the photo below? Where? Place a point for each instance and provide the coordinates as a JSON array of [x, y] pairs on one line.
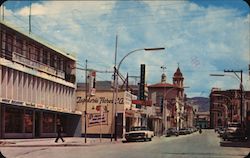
[[194, 145]]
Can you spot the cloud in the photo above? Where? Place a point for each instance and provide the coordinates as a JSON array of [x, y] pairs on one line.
[[202, 40]]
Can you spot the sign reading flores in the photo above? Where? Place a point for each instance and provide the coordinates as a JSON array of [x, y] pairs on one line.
[[98, 100]]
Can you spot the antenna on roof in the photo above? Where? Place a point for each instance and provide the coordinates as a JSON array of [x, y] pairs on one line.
[[2, 10], [30, 19]]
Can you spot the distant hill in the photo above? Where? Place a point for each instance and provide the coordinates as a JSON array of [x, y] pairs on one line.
[[202, 102]]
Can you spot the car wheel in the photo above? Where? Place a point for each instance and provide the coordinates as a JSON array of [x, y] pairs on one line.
[[150, 139]]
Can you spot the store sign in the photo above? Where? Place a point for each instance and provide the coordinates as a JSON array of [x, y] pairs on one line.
[[30, 104], [96, 119], [98, 100], [6, 100], [17, 102]]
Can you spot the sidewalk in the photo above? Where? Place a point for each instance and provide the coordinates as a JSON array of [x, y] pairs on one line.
[[241, 144], [50, 142]]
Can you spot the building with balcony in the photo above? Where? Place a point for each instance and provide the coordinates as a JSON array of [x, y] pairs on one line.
[[225, 106], [37, 87]]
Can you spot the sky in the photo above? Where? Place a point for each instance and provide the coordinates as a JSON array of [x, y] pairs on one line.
[[201, 37]]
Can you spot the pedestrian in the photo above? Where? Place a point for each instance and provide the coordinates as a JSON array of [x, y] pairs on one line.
[[59, 133]]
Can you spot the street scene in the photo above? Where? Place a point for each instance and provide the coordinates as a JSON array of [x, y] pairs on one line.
[[193, 145], [139, 79]]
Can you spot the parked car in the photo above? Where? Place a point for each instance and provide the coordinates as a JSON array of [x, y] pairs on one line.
[[234, 132], [183, 131], [172, 132], [217, 128], [221, 131], [139, 133]]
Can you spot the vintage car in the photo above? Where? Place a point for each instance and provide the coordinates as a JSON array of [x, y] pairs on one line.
[[234, 131], [172, 132], [139, 133]]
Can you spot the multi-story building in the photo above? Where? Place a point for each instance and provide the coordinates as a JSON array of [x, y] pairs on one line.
[[37, 87], [225, 106], [168, 100]]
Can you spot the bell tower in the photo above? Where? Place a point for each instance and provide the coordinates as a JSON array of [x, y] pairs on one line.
[[178, 81], [178, 78]]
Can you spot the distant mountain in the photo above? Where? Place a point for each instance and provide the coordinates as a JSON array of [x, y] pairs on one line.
[[202, 102]]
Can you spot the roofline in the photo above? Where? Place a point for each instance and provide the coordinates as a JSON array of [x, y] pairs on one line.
[[39, 40], [165, 85]]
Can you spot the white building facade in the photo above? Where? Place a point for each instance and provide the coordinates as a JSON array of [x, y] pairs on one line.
[[37, 87]]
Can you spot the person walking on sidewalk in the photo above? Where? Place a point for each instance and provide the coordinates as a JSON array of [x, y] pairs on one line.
[[59, 133]]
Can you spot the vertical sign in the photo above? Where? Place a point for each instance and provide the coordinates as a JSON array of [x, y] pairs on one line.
[[142, 84]]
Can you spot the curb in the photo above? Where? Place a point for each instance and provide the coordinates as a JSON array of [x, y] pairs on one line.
[[11, 144], [235, 144]]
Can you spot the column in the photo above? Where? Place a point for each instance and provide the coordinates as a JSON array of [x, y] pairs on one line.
[[26, 87], [15, 85], [39, 91], [10, 84], [4, 81], [20, 86]]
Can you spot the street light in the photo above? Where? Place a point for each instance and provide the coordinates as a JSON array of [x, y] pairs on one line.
[[116, 72]]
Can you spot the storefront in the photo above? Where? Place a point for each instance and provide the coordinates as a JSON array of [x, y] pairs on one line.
[[100, 120], [28, 122]]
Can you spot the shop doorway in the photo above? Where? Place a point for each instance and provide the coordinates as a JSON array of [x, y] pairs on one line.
[[119, 125], [37, 124]]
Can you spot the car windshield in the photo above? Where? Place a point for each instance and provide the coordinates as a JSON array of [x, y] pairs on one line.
[[234, 125], [138, 128]]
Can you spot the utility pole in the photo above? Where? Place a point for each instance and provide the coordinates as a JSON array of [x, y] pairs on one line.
[[30, 19], [86, 103], [241, 90], [113, 127]]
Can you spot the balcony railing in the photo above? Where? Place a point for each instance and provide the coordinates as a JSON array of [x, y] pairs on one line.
[[34, 64]]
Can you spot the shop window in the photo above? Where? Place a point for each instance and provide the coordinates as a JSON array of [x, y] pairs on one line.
[[28, 121], [48, 123], [13, 120]]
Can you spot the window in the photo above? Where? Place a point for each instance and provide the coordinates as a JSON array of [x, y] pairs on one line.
[[19, 46], [52, 60], [13, 120], [28, 121], [45, 57], [36, 53], [48, 123], [9, 46]]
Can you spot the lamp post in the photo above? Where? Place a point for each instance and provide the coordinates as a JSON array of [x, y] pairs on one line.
[[115, 91], [240, 78]]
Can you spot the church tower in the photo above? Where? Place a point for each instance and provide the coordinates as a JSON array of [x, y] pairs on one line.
[[178, 81], [178, 78]]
